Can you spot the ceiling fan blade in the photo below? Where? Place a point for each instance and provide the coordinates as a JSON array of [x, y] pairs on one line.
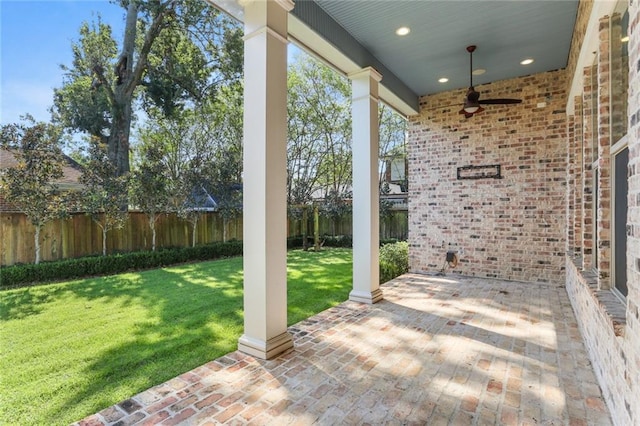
[[499, 101]]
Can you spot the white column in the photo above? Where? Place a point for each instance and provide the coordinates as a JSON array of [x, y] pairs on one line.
[[366, 287], [264, 183]]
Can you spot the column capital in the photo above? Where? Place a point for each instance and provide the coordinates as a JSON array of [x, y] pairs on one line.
[[364, 73]]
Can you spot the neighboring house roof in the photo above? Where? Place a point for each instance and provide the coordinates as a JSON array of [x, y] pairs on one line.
[[201, 200], [70, 180]]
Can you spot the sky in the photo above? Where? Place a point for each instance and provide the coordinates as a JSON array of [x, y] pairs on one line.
[[35, 39]]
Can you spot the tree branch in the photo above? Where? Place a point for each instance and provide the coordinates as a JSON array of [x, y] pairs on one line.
[[154, 30], [99, 73]]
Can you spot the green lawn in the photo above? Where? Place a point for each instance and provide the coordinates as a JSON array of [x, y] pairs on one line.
[[71, 349]]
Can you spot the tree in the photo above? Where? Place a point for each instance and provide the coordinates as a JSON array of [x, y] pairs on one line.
[[173, 52], [392, 145], [149, 188], [319, 131], [202, 150], [335, 206], [319, 152], [31, 185], [104, 192], [385, 208], [224, 177], [392, 136]]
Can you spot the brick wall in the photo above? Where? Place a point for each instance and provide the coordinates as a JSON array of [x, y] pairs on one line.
[[611, 328], [511, 228], [603, 223], [576, 171], [589, 129], [515, 228], [631, 344]]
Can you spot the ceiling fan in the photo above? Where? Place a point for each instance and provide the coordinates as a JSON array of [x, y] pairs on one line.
[[472, 99]]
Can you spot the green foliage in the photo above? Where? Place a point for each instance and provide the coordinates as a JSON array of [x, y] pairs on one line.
[[337, 240], [392, 133], [319, 130], [201, 151], [173, 54], [79, 104], [150, 187], [344, 241], [394, 260], [385, 206], [104, 193], [19, 275], [334, 206], [31, 185], [71, 349], [319, 154]]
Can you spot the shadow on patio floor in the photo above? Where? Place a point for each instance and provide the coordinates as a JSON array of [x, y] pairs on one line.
[[437, 350]]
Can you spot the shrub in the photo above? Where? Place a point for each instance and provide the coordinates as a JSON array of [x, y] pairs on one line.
[[337, 241], [17, 275], [394, 260], [386, 241], [331, 241]]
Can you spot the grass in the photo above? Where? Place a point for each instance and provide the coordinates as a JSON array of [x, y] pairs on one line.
[[71, 349]]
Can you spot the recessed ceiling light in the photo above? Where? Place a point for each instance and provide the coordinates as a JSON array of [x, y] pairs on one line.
[[624, 39], [479, 71], [443, 80], [526, 61], [403, 31]]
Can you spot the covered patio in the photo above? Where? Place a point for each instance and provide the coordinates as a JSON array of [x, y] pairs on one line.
[[437, 350], [547, 329]]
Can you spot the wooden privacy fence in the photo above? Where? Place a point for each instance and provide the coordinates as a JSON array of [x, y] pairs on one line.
[[394, 226], [78, 235]]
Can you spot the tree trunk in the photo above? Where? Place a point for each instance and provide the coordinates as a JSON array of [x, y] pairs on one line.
[[118, 147], [104, 240], [224, 229], [305, 220], [316, 228], [37, 243], [194, 224], [152, 225], [119, 138]]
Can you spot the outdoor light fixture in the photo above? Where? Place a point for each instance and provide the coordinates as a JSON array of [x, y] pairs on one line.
[[471, 108], [471, 104]]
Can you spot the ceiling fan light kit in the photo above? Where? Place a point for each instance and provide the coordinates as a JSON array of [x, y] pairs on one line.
[[472, 99]]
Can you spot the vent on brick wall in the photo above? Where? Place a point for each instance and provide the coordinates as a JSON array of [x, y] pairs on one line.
[[493, 171]]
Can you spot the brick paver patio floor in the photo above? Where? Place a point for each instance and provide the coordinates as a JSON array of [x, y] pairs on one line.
[[436, 351]]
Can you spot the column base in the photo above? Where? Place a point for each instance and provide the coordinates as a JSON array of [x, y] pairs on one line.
[[265, 350], [368, 297]]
